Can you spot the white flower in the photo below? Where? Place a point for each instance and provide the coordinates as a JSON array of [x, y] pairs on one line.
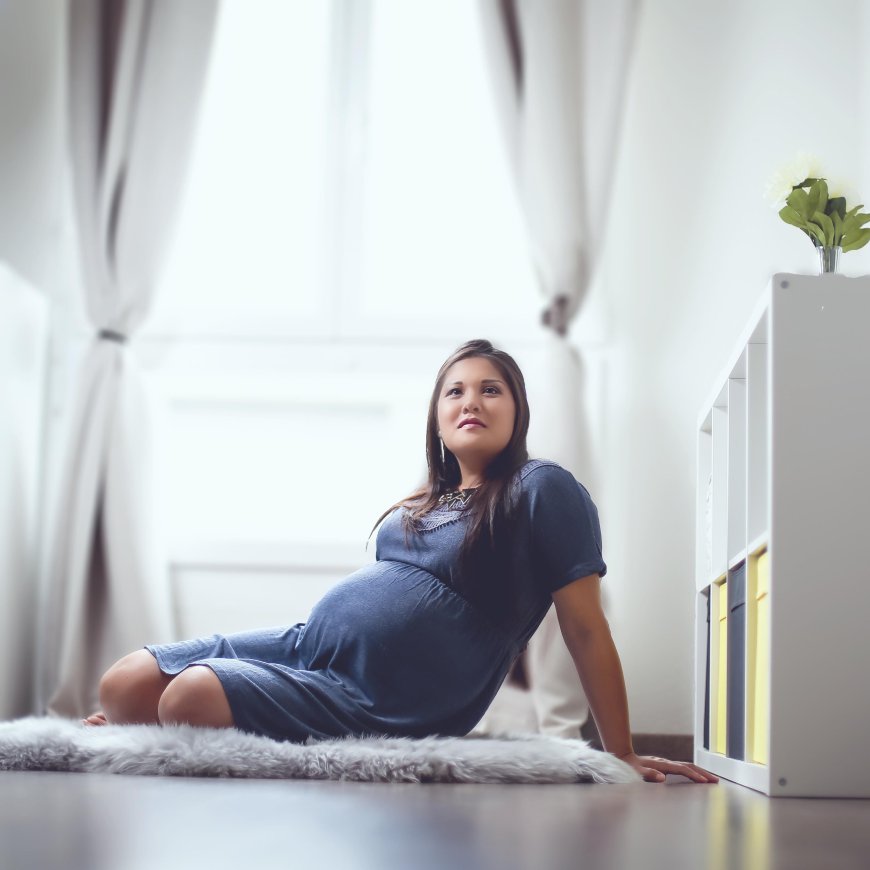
[[783, 181], [845, 188]]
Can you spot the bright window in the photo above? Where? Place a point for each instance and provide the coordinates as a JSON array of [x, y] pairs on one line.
[[348, 219], [347, 179], [246, 257], [442, 231]]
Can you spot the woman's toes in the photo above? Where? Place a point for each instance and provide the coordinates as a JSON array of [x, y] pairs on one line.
[[98, 718]]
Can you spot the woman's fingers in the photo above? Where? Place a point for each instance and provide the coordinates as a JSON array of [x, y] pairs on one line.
[[705, 775], [662, 766], [651, 775]]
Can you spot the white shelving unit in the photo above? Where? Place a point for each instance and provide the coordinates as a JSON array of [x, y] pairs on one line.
[[782, 671]]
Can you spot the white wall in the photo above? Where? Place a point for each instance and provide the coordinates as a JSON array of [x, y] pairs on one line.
[[721, 95]]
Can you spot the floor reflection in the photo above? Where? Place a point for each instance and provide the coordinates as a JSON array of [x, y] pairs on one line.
[[738, 829]]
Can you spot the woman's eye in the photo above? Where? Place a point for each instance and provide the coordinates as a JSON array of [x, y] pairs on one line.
[[490, 390]]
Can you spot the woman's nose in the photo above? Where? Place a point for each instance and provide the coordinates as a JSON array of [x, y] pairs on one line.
[[470, 404]]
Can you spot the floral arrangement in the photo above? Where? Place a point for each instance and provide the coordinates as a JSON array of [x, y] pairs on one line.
[[812, 207]]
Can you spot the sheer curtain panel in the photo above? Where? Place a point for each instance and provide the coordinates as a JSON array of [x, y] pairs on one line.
[[558, 73], [136, 70]]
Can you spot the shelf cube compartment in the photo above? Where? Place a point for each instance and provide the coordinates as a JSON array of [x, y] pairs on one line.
[[758, 658]]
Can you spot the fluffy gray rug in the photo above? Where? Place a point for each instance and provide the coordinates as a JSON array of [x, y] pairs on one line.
[[38, 743]]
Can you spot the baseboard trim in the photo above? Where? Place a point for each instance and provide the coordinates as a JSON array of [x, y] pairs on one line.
[[676, 747]]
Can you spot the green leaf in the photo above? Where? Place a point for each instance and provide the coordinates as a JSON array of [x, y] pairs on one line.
[[800, 202], [816, 234], [853, 224], [853, 211], [822, 186], [817, 197], [858, 240], [838, 226], [790, 216], [836, 205], [827, 227]]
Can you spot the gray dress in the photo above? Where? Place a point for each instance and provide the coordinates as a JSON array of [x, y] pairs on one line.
[[394, 649]]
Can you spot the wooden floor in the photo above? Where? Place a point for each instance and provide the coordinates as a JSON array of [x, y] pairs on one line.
[[96, 821]]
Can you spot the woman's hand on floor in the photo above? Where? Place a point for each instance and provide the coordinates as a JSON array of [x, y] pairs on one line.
[[653, 769]]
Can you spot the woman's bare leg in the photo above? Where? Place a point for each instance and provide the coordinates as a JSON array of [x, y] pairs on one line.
[[135, 691], [130, 691], [195, 697]]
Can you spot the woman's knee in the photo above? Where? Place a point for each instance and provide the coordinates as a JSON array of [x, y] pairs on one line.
[[131, 688], [195, 697]]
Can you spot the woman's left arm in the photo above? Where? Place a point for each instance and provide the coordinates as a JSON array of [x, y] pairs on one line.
[[587, 636]]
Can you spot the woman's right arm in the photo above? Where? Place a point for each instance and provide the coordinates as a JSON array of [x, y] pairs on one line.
[[587, 636]]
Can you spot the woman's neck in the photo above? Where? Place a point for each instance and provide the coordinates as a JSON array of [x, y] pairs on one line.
[[470, 478], [470, 483]]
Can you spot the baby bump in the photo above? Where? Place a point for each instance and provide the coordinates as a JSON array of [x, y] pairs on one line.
[[391, 626]]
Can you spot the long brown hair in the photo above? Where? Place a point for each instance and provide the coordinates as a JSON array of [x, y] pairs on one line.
[[483, 568]]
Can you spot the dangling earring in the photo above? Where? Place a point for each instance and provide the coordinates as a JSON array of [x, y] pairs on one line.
[[441, 442]]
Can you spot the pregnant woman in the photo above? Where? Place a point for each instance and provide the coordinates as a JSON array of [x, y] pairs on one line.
[[419, 642]]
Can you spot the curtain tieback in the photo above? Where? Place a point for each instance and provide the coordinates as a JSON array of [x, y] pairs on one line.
[[556, 315], [112, 335]]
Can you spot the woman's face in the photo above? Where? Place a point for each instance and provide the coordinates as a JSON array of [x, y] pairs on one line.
[[476, 411]]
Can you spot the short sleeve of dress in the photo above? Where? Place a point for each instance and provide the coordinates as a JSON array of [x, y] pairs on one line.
[[564, 530]]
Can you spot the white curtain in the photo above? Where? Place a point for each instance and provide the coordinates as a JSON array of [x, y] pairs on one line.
[[136, 71], [23, 357], [559, 69]]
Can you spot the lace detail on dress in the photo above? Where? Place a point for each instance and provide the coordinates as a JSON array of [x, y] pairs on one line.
[[449, 509], [435, 519]]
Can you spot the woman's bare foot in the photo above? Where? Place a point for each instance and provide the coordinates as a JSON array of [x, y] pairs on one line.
[[98, 718]]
